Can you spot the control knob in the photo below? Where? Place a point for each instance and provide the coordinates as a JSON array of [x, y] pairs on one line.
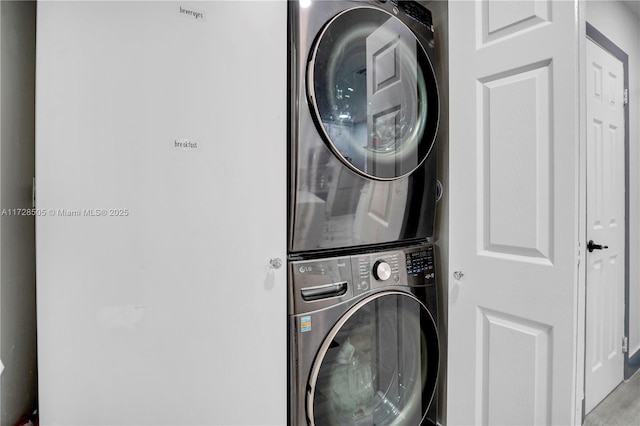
[[381, 270]]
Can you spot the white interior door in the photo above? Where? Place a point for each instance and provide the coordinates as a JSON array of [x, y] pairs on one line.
[[514, 145], [605, 224], [172, 117]]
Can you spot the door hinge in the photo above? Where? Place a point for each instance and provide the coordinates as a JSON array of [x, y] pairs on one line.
[[579, 253], [625, 96], [33, 193], [625, 345]]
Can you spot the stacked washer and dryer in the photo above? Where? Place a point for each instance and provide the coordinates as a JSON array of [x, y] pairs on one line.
[[363, 336]]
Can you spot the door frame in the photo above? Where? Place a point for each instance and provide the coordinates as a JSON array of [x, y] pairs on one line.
[[631, 365]]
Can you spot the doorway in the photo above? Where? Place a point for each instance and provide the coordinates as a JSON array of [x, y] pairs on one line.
[[607, 217]]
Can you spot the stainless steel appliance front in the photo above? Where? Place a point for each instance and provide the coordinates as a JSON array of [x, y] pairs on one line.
[[363, 339], [364, 116]]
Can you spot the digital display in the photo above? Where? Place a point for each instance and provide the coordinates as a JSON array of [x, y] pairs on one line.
[[420, 262]]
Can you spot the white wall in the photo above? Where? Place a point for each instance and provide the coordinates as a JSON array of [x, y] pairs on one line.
[[618, 23], [18, 387]]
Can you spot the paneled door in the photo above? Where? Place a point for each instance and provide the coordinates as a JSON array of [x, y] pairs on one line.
[[605, 224], [514, 151]]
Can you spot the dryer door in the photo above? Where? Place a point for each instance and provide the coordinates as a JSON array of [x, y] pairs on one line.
[[373, 92], [377, 366]]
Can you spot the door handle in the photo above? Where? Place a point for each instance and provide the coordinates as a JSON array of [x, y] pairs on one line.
[[591, 246], [275, 263]]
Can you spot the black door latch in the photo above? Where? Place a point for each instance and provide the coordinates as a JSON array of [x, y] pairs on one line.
[[591, 246]]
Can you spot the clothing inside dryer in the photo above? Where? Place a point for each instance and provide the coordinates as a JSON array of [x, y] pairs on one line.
[[375, 371]]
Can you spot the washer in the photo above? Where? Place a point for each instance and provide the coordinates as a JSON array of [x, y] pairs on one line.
[[364, 114], [363, 339]]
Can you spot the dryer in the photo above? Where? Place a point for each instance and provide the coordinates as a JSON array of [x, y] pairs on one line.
[[363, 339], [364, 114]]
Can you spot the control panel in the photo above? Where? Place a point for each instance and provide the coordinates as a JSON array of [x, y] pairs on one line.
[[409, 267], [414, 10], [324, 282], [421, 264], [376, 270]]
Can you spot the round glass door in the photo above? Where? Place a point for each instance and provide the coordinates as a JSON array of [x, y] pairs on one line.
[[378, 366], [373, 93]]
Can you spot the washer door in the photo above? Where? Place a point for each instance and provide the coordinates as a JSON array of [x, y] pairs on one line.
[[373, 92], [378, 365]]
